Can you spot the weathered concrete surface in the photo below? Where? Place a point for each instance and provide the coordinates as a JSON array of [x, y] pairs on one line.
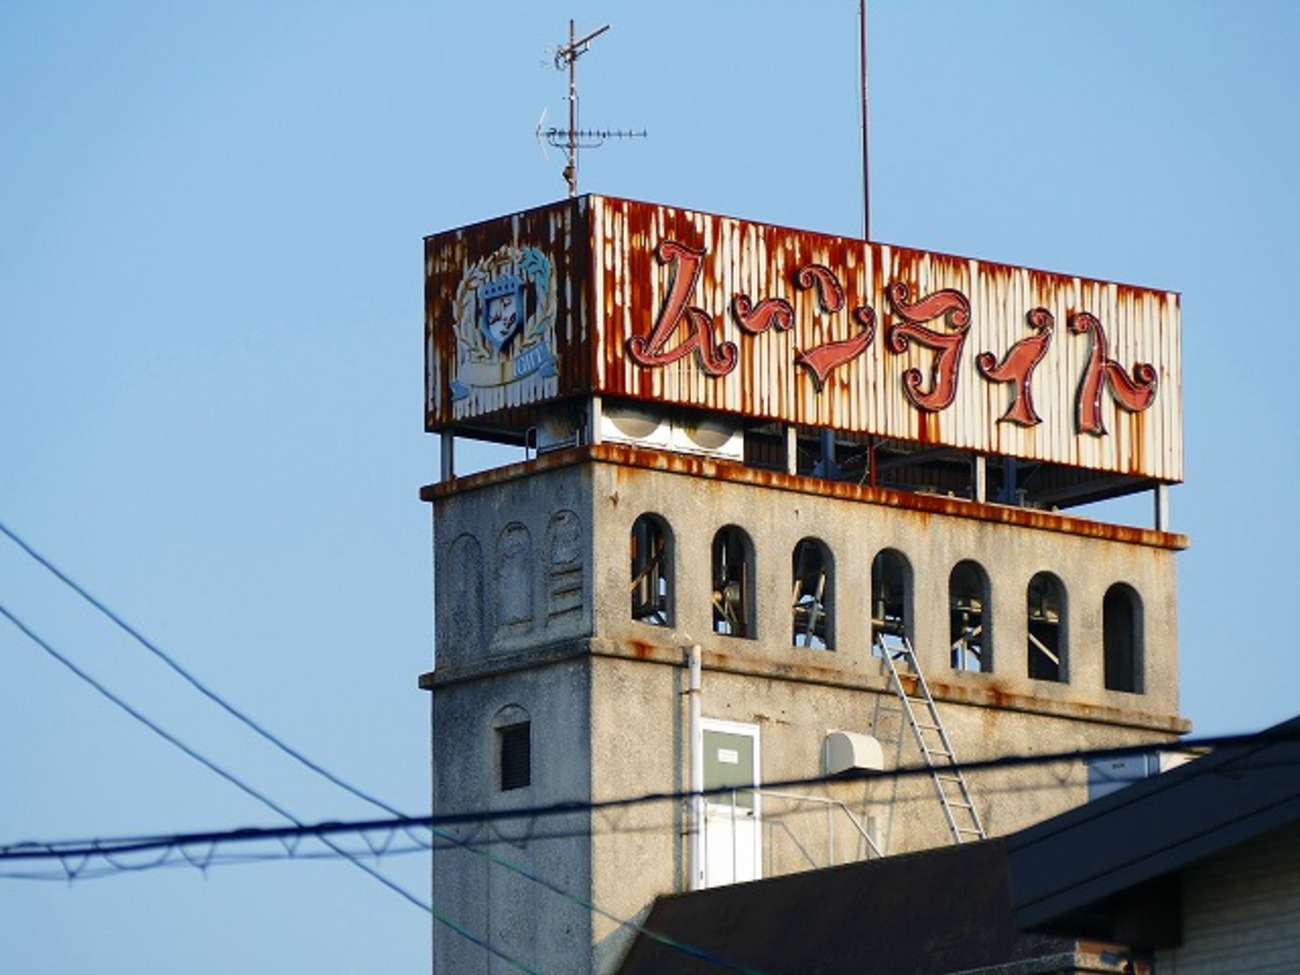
[[605, 694], [472, 884]]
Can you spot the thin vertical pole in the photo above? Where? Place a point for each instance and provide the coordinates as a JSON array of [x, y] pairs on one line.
[[866, 181], [448, 443], [1162, 507], [696, 818], [571, 170], [734, 852], [830, 836], [569, 54]]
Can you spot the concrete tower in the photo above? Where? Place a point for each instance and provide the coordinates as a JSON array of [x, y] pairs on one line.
[[791, 516]]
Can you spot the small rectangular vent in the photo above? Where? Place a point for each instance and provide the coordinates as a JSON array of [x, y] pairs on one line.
[[516, 756]]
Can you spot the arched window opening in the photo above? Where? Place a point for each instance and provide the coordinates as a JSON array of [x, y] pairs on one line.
[[652, 581], [890, 584], [1121, 628], [811, 600], [968, 626], [1046, 626], [733, 583]]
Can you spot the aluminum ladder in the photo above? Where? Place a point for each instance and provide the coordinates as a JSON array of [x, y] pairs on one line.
[[954, 796]]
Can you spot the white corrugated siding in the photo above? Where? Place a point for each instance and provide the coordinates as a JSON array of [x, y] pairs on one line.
[[1241, 911]]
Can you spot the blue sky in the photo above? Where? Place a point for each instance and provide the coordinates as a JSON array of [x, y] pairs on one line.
[[210, 380]]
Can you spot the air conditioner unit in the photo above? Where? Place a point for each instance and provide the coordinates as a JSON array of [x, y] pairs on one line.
[[709, 436], [557, 429], [637, 427], [849, 751]]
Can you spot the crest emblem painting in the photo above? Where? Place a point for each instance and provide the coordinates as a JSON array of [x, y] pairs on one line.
[[505, 328]]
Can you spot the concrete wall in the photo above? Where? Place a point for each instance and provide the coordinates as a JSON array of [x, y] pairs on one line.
[[482, 870], [696, 507], [512, 564], [639, 745], [606, 694]]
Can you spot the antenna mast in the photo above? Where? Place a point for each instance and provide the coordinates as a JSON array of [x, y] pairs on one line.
[[866, 182], [572, 139]]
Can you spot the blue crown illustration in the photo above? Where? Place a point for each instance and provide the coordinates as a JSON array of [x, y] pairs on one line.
[[504, 285]]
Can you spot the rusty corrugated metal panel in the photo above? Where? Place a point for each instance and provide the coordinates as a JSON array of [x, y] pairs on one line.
[[539, 261], [681, 307], [868, 393]]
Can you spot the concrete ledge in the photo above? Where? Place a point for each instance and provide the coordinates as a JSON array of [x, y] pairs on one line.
[[689, 466], [994, 694]]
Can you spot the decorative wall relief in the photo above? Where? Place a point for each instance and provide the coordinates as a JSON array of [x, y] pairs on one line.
[[463, 582], [564, 582], [514, 581]]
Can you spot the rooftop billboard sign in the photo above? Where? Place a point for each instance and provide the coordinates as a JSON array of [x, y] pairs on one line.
[[650, 303]]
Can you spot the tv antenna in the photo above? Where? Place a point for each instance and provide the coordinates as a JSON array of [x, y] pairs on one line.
[[572, 139]]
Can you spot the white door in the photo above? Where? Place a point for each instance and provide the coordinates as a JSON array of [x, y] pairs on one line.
[[731, 817]]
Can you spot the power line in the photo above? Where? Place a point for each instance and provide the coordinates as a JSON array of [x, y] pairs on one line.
[[193, 681], [250, 791], [178, 743], [138, 844], [108, 849], [284, 747], [81, 857]]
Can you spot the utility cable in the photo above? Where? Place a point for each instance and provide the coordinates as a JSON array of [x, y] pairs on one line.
[[321, 831], [302, 829], [178, 743], [282, 745], [193, 681], [279, 743], [287, 749], [255, 794], [137, 844]]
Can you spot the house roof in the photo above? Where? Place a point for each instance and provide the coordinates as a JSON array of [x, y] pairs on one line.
[[942, 910], [1101, 869], [1107, 871]]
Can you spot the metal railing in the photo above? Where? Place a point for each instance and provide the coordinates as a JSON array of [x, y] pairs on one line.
[[833, 806]]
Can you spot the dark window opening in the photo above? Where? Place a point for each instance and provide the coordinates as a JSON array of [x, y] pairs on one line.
[[733, 581], [1121, 628], [651, 572], [516, 753], [968, 636], [889, 596], [810, 602], [1046, 625]]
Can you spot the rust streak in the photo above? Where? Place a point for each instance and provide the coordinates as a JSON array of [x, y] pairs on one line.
[[611, 290], [921, 506]]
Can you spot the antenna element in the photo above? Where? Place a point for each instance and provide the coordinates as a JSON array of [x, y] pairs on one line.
[[572, 139]]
